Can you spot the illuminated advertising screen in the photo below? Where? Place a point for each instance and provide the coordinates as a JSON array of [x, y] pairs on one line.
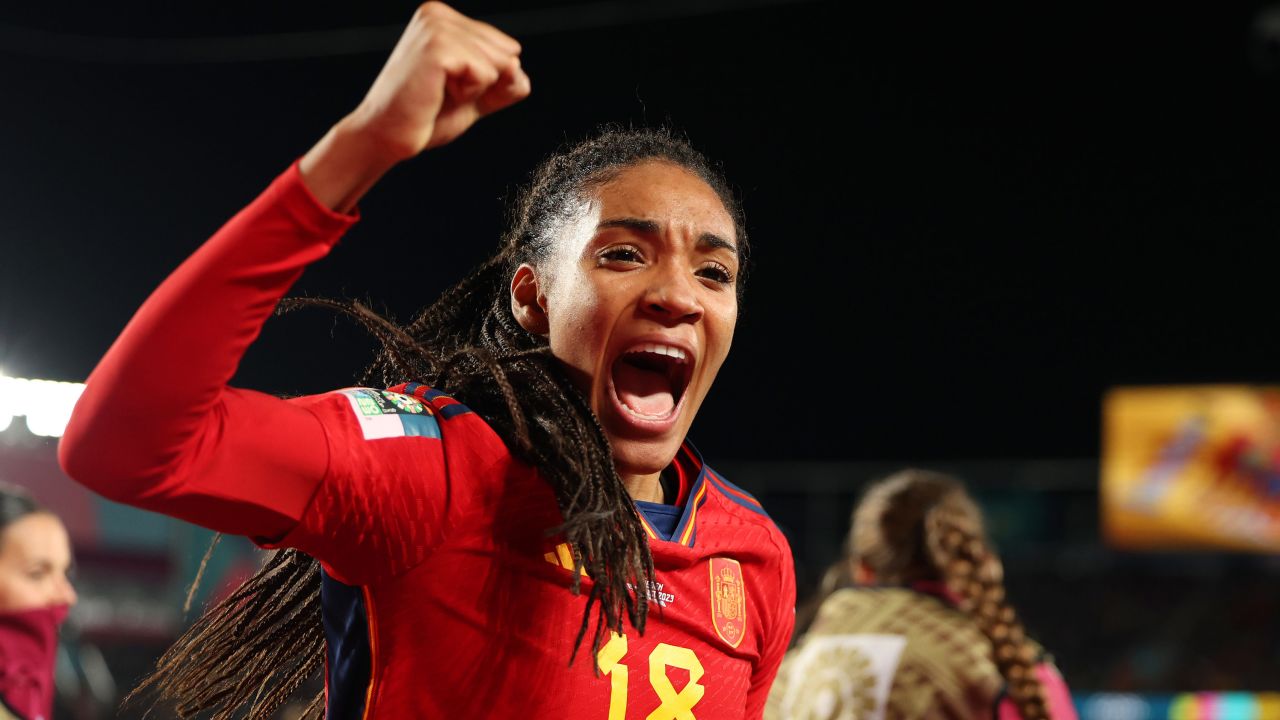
[[1192, 467]]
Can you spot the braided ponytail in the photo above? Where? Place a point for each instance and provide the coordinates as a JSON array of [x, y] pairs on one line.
[[953, 534], [922, 526]]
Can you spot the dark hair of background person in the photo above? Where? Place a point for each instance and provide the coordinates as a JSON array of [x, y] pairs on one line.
[[15, 504], [262, 642], [921, 526]]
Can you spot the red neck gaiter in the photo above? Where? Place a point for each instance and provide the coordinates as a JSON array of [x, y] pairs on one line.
[[28, 648]]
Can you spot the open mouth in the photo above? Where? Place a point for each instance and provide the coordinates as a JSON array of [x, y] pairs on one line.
[[649, 380]]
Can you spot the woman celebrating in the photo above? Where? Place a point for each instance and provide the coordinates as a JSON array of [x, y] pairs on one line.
[[467, 543], [35, 594], [912, 623]]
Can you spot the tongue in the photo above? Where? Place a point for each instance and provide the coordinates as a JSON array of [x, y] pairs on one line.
[[645, 391]]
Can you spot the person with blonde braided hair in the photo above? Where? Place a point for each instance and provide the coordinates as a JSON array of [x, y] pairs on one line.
[[912, 623]]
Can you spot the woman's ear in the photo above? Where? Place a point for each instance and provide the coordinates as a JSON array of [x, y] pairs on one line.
[[528, 303]]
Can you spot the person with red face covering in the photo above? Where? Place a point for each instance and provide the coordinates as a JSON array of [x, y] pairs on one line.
[[517, 526], [35, 595]]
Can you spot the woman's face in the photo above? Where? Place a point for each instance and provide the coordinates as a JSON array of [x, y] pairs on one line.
[[35, 557], [640, 303]]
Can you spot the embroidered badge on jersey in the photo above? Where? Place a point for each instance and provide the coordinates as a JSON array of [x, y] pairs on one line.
[[386, 414], [728, 600]]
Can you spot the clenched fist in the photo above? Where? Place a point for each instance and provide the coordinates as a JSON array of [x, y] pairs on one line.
[[446, 72]]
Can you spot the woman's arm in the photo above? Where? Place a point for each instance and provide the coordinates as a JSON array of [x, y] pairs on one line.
[[157, 426], [156, 411]]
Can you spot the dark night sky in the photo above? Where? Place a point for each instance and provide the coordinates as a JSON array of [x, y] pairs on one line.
[[968, 223]]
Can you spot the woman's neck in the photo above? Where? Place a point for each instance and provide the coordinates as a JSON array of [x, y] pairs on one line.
[[644, 487]]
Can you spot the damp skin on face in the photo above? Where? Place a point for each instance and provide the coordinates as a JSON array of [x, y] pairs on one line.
[[35, 559], [641, 304]]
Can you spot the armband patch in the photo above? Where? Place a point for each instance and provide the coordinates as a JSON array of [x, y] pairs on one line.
[[386, 414]]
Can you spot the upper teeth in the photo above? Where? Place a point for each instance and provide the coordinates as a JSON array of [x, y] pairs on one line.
[[667, 350]]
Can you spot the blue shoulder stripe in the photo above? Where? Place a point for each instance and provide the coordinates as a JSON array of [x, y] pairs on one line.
[[429, 394], [735, 493], [448, 412]]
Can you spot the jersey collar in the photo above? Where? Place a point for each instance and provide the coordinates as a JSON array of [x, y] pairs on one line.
[[691, 472]]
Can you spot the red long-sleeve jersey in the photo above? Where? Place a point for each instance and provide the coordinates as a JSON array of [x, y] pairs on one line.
[[443, 595]]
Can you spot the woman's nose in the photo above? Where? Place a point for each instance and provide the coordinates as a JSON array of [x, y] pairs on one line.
[[66, 594], [674, 297]]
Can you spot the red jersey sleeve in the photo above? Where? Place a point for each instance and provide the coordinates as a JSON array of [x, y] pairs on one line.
[[366, 481], [158, 428], [782, 624], [402, 473]]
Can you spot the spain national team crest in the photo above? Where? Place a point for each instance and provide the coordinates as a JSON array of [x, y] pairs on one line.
[[728, 600]]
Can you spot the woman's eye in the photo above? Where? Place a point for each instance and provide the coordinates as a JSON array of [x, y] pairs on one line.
[[716, 272], [621, 254]]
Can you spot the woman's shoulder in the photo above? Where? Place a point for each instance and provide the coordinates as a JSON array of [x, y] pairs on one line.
[[407, 410], [888, 609], [843, 610], [857, 596], [407, 430]]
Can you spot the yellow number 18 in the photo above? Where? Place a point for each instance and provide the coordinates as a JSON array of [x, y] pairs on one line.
[[676, 705]]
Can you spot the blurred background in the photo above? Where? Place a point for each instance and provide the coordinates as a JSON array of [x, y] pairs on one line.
[[1032, 246]]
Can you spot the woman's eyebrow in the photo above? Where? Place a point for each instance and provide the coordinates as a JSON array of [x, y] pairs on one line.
[[711, 240], [649, 227]]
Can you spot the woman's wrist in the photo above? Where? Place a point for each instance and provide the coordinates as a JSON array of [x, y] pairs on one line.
[[346, 163]]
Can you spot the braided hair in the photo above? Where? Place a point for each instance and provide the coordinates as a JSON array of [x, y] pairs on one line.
[[259, 645], [919, 526]]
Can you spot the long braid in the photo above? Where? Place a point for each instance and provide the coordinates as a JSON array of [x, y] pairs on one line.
[[310, 637], [234, 650], [971, 571], [259, 645]]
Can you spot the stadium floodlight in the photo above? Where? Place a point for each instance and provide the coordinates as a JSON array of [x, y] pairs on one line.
[[46, 404]]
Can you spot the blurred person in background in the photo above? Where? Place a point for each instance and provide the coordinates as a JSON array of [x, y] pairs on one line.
[[912, 622], [35, 595], [452, 560]]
